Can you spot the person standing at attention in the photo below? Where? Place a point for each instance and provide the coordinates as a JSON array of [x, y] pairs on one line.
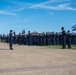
[[11, 39], [63, 38]]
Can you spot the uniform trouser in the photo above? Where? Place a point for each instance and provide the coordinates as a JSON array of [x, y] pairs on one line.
[[69, 43], [73, 41], [14, 40], [54, 42], [29, 41], [44, 41], [49, 42], [40, 42], [57, 41], [64, 42], [10, 44]]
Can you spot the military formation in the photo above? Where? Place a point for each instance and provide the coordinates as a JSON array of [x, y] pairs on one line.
[[49, 38]]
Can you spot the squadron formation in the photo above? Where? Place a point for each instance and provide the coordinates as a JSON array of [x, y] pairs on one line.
[[49, 38]]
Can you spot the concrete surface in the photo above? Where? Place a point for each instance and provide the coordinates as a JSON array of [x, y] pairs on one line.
[[36, 60]]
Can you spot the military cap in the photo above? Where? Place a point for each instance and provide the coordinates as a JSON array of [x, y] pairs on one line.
[[11, 30], [62, 28], [68, 31]]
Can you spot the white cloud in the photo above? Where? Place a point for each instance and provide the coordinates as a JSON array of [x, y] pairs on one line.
[[6, 12], [20, 6], [19, 9], [71, 8], [60, 6], [59, 1], [63, 5], [49, 5]]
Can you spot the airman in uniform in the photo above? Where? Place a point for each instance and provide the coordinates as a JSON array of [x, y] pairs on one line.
[[11, 39], [63, 38], [69, 39]]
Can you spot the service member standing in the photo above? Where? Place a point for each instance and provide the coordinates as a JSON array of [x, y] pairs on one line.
[[63, 38], [69, 39], [29, 38], [11, 39], [14, 38]]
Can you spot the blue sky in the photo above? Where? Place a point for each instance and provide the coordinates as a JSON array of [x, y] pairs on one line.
[[37, 15]]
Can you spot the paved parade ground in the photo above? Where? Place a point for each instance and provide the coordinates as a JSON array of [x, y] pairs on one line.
[[36, 60]]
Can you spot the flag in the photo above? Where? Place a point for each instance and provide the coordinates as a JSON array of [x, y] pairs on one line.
[[23, 31], [74, 27]]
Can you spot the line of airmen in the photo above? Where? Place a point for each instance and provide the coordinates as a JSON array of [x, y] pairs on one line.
[[48, 38]]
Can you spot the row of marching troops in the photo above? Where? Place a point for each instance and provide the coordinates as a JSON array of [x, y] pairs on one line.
[[35, 38]]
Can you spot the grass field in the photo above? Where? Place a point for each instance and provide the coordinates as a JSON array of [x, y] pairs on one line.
[[56, 46], [74, 47], [60, 46]]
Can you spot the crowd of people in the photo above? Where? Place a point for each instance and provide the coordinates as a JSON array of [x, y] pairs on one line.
[[49, 38]]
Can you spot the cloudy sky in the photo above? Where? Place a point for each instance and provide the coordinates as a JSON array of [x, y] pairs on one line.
[[37, 15]]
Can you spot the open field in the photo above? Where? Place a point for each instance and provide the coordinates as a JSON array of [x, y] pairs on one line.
[[60, 46], [36, 60]]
